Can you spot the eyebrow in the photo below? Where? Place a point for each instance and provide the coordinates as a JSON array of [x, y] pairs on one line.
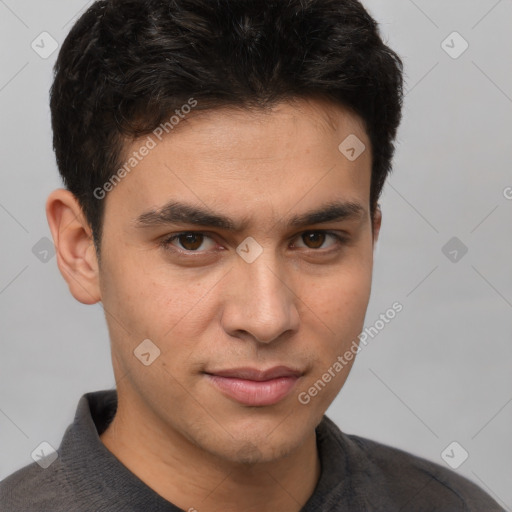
[[177, 212]]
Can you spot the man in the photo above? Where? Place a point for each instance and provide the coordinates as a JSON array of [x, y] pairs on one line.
[[223, 162]]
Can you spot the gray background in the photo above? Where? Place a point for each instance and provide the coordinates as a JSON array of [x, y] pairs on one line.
[[439, 372]]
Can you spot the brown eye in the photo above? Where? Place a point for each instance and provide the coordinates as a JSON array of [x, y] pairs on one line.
[[191, 241], [313, 239], [320, 240]]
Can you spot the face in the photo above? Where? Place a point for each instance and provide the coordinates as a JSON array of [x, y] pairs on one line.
[[263, 260]]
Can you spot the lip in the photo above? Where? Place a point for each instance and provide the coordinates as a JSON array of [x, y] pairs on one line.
[[254, 387]]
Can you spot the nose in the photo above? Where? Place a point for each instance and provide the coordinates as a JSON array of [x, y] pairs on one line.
[[260, 303]]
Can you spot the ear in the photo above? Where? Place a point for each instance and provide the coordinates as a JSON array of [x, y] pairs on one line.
[[76, 254], [377, 221]]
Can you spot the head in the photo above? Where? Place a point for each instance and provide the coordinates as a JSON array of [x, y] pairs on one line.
[[213, 203]]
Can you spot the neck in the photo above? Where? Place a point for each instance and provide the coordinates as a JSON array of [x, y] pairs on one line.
[[195, 480]]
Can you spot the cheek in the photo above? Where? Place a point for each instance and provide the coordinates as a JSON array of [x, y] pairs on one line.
[[168, 309], [152, 300], [341, 299], [338, 308], [342, 305]]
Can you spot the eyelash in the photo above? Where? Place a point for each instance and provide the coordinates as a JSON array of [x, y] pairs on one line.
[[166, 243]]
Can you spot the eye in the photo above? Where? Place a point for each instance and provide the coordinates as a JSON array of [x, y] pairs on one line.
[[316, 239], [189, 241]]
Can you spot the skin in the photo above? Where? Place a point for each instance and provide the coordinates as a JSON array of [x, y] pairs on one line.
[[300, 303]]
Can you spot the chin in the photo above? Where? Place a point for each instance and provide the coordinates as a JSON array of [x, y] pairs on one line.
[[263, 448]]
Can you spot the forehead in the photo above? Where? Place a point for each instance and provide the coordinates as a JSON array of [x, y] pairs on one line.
[[227, 131], [244, 161]]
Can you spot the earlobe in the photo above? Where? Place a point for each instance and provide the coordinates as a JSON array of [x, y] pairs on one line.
[[76, 254], [377, 222]]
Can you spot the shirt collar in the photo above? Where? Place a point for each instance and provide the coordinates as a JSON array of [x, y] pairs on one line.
[[101, 477]]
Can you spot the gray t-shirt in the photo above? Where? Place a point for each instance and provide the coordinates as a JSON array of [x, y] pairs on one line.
[[356, 475]]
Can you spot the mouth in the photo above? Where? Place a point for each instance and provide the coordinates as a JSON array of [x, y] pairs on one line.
[[254, 387]]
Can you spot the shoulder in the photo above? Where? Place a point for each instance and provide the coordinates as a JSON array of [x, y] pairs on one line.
[[418, 483], [34, 489], [393, 479]]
